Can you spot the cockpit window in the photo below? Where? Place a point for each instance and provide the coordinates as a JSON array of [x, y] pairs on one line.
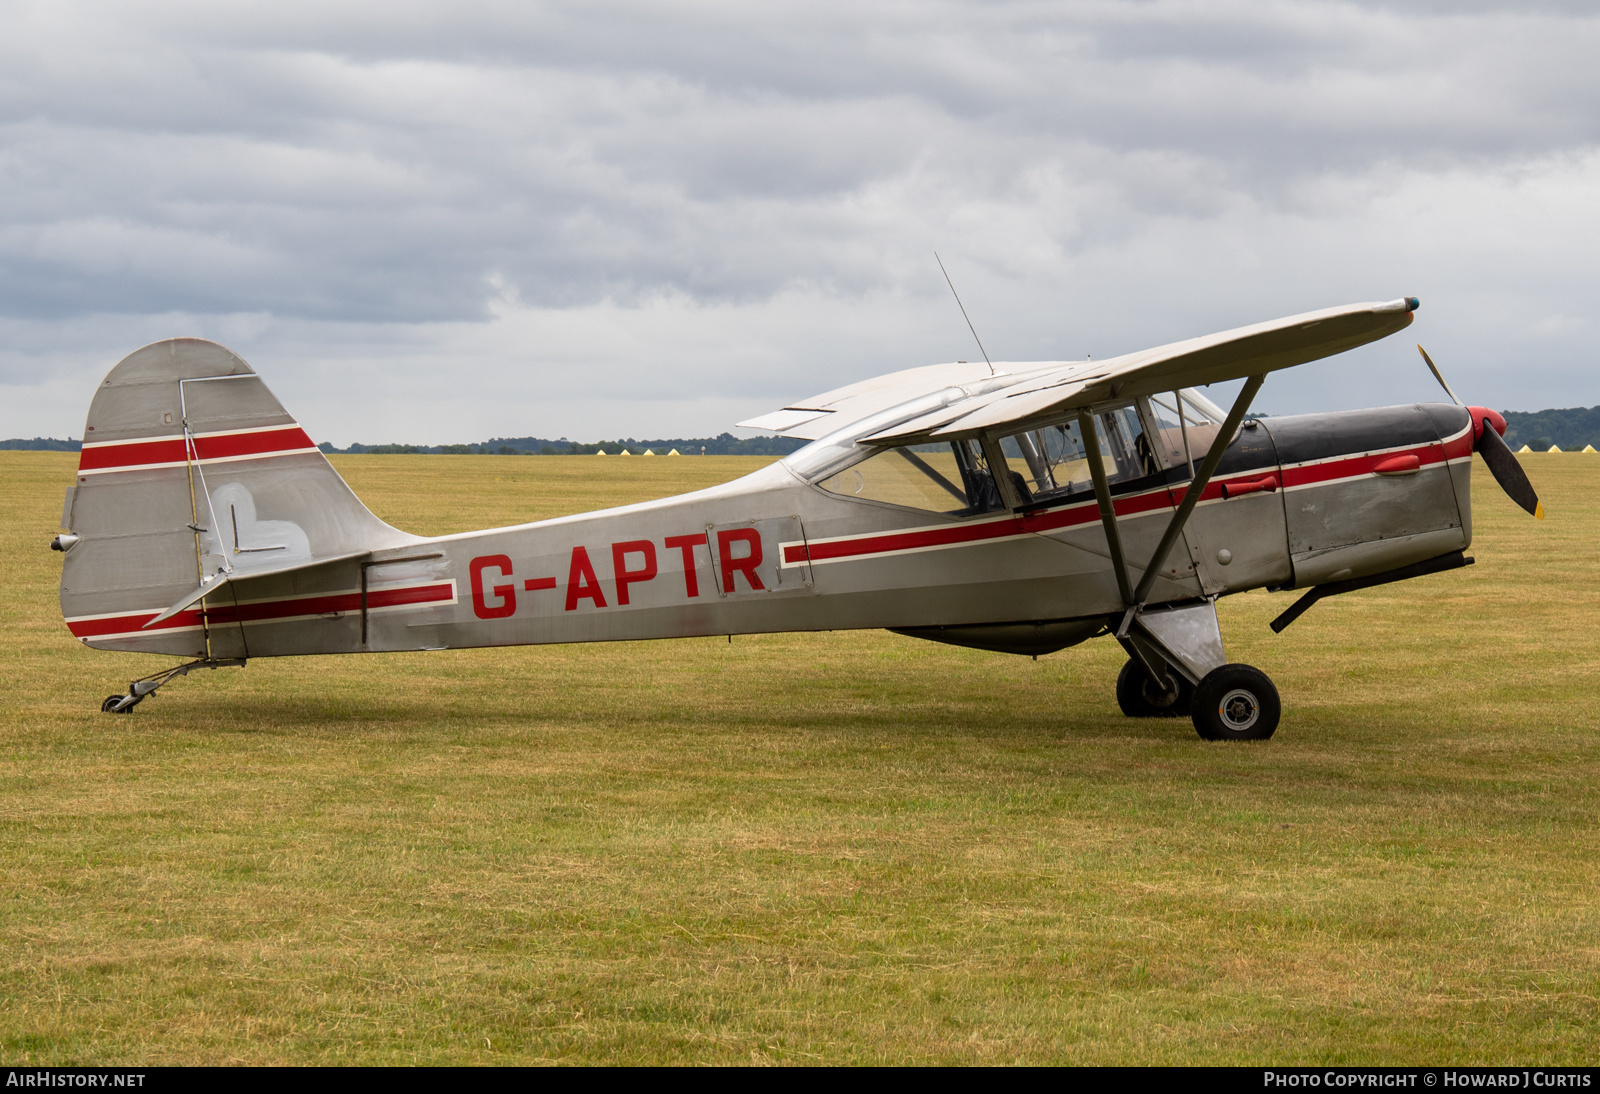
[[1185, 438], [948, 478], [1051, 462]]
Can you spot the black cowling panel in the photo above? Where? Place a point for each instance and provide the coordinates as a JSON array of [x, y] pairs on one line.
[[1305, 437], [1447, 418], [1251, 450]]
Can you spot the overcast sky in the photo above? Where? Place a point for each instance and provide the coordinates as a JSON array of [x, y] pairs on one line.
[[443, 222]]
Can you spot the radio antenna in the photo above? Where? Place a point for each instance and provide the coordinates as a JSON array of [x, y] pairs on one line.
[[964, 314]]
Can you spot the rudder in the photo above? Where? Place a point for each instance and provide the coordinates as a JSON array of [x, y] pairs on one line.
[[193, 476]]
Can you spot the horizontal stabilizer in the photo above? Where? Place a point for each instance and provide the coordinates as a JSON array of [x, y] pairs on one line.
[[225, 577]]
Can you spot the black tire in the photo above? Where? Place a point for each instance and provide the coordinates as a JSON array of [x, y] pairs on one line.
[[110, 705], [1236, 703], [1139, 697]]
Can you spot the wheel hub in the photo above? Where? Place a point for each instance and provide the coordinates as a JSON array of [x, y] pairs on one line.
[[1157, 698], [1239, 710]]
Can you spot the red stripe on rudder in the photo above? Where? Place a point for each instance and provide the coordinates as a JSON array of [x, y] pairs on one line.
[[171, 449], [131, 455], [252, 443]]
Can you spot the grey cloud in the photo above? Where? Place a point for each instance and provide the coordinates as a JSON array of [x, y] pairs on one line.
[[1104, 175]]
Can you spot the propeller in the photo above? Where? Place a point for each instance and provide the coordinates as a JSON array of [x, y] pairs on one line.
[[1488, 442]]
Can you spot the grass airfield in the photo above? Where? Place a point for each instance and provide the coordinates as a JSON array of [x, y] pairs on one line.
[[829, 848]]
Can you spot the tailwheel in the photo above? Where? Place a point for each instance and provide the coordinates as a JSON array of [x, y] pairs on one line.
[[1236, 703], [1140, 696], [147, 685]]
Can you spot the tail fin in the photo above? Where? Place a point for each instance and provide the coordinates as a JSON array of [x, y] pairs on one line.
[[192, 477]]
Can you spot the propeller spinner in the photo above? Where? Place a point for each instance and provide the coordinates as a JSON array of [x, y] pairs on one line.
[[1488, 442]]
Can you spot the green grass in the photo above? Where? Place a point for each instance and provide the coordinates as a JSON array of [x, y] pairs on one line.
[[809, 848]]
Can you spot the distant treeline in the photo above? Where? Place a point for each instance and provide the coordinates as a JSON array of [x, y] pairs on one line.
[[41, 444], [1538, 429], [725, 444], [1566, 429]]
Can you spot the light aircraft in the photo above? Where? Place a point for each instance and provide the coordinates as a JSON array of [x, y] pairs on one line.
[[1019, 508]]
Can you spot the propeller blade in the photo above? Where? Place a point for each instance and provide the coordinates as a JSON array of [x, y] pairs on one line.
[[1506, 470], [1437, 375]]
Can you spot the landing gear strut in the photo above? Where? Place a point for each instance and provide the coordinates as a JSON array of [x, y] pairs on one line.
[[1231, 702], [1176, 666], [146, 685], [1140, 696]]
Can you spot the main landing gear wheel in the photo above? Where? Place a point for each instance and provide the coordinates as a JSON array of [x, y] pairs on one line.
[[1139, 697], [1236, 703]]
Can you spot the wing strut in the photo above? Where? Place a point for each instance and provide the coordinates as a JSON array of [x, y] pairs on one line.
[[1186, 638], [1102, 495], [1191, 494], [1132, 597]]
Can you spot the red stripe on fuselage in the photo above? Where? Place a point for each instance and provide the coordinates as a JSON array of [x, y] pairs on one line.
[[266, 610], [1366, 464], [1086, 511], [902, 541], [956, 535], [122, 457]]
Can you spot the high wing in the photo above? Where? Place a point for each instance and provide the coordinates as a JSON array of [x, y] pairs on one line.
[[1022, 393], [837, 409]]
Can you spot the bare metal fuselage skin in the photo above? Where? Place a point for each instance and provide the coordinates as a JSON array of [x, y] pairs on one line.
[[155, 509]]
